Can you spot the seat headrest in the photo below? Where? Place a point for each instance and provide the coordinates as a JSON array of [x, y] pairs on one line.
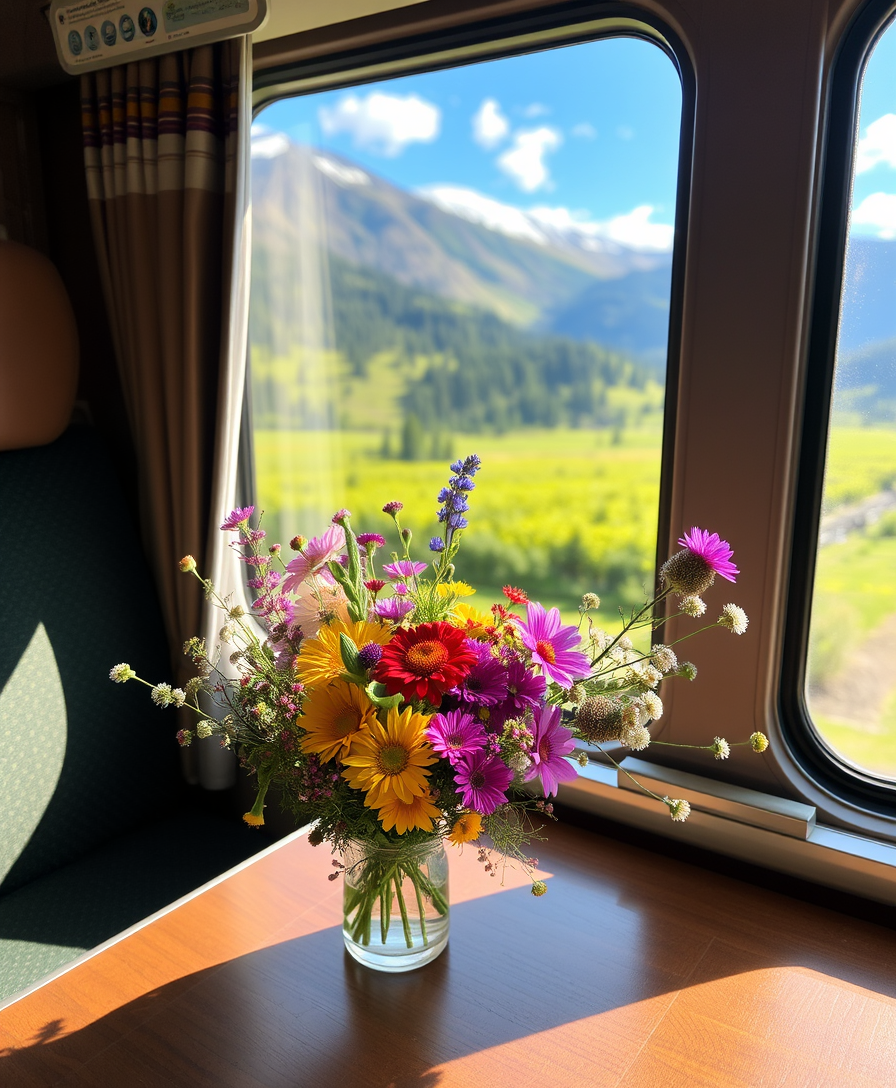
[[38, 350]]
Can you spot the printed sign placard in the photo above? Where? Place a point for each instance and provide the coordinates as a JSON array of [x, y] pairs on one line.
[[100, 33]]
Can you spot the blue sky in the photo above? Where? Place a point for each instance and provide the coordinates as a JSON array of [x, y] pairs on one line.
[[586, 133], [874, 189]]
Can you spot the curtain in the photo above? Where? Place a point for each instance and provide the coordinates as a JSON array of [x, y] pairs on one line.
[[166, 151]]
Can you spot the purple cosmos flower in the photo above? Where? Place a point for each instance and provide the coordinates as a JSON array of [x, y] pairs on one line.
[[455, 734], [394, 608], [371, 538], [716, 553], [552, 645], [525, 690], [482, 780], [314, 556], [236, 517], [486, 682], [403, 568], [553, 742]]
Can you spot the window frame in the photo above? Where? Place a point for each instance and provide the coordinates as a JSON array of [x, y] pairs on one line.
[[849, 783]]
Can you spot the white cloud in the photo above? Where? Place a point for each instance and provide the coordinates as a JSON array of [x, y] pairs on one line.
[[267, 144], [543, 224], [382, 123], [633, 229], [584, 131], [878, 144], [490, 126], [536, 109], [878, 211], [524, 162]]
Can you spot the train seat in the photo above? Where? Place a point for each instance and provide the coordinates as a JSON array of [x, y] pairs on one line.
[[97, 828]]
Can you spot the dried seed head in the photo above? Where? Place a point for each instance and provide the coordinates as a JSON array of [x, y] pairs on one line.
[[599, 719], [687, 573]]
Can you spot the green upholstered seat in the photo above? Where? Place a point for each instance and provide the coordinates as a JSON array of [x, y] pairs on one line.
[[96, 831]]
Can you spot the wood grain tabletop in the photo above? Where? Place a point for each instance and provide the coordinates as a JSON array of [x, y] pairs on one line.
[[634, 971]]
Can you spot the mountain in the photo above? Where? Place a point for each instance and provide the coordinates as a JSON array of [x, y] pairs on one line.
[[448, 242]]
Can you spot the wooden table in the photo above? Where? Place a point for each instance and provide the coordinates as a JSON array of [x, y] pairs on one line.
[[633, 971]]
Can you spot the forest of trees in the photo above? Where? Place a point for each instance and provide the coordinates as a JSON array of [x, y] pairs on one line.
[[480, 372]]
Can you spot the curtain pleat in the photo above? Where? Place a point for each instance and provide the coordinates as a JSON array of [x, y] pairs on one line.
[[161, 149]]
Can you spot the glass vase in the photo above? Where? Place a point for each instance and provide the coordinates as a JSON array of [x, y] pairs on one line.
[[395, 905]]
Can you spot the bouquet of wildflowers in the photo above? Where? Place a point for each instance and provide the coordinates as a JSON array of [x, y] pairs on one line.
[[386, 707]]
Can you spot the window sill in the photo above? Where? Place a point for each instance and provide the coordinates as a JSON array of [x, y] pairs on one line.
[[760, 829]]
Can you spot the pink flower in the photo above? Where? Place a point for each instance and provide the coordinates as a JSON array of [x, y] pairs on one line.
[[315, 599], [371, 538], [552, 743], [237, 517], [394, 608], [455, 734], [551, 645], [314, 556], [403, 568], [714, 552], [482, 780]]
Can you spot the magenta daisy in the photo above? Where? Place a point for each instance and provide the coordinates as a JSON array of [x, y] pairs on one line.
[[394, 608], [455, 734], [314, 556], [237, 517], [482, 780], [553, 742], [714, 552], [403, 568], [371, 538], [486, 683], [552, 645]]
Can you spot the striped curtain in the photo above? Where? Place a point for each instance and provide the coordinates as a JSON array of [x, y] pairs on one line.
[[164, 149]]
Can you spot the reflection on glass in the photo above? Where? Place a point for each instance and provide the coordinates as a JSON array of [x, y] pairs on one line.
[[472, 260], [852, 650]]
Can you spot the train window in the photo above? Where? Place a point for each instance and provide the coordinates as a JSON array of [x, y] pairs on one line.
[[851, 667], [473, 259]]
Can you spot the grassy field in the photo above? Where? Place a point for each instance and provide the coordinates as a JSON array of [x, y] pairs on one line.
[[855, 593], [558, 512]]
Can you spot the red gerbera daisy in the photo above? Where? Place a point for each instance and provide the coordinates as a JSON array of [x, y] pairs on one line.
[[425, 661], [517, 596]]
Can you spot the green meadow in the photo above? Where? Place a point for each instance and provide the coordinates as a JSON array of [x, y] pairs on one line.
[[855, 593]]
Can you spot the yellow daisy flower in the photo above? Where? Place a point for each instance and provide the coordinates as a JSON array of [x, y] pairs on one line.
[[391, 761], [471, 619], [320, 660], [420, 814], [455, 589], [333, 718], [466, 828]]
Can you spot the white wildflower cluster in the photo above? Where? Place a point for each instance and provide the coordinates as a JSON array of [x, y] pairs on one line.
[[589, 601], [653, 705], [758, 742], [121, 673], [734, 618], [600, 638], [679, 809], [720, 748], [634, 735], [164, 695], [203, 730], [688, 670], [664, 658], [693, 606], [643, 675], [227, 632]]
